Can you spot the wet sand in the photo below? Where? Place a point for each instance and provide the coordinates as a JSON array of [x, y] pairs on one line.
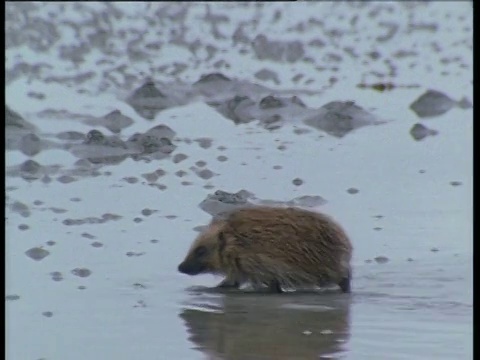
[[129, 126]]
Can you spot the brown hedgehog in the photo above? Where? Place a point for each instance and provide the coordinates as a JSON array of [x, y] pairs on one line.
[[274, 247]]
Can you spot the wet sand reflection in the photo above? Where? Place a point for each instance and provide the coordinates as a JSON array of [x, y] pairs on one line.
[[240, 325]]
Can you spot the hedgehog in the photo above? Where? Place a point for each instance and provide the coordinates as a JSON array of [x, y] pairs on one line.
[[273, 247]]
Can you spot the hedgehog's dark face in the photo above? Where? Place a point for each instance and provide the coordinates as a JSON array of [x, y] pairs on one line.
[[203, 256], [196, 262]]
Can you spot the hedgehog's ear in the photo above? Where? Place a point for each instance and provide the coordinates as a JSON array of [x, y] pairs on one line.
[[221, 241]]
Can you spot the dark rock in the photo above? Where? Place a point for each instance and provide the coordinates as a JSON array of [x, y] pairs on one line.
[[420, 131], [432, 103]]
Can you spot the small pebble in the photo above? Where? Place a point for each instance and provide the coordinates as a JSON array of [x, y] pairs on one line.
[[381, 259], [147, 212], [37, 253], [297, 182], [81, 272]]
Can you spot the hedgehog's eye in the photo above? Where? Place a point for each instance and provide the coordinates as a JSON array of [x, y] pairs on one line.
[[200, 251]]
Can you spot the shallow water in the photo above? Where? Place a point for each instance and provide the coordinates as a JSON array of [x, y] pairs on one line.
[[98, 222]]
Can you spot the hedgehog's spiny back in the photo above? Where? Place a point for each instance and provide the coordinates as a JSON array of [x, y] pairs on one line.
[[285, 225], [297, 240]]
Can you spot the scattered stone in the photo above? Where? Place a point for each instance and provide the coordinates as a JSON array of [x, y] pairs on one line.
[[160, 172], [148, 212], [266, 75], [131, 253], [96, 244], [71, 136], [30, 144], [205, 174], [23, 227], [432, 103], [115, 121], [150, 177], [20, 208], [37, 253], [81, 272], [222, 201], [181, 173], [420, 131], [140, 303], [307, 201], [455, 183], [56, 276], [87, 236], [199, 228], [47, 313], [131, 179], [338, 118], [57, 210], [300, 131], [14, 120], [352, 191], [434, 249], [271, 102], [297, 182], [222, 158], [154, 241], [50, 243], [204, 143], [178, 158], [381, 259], [159, 186], [12, 297]]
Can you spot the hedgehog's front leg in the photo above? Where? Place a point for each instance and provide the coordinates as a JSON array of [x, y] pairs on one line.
[[345, 285], [229, 283], [345, 281], [274, 287]]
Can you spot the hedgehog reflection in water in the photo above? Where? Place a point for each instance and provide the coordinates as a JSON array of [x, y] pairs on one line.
[[274, 247]]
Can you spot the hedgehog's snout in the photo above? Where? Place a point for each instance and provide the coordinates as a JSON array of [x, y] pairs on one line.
[[190, 268]]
